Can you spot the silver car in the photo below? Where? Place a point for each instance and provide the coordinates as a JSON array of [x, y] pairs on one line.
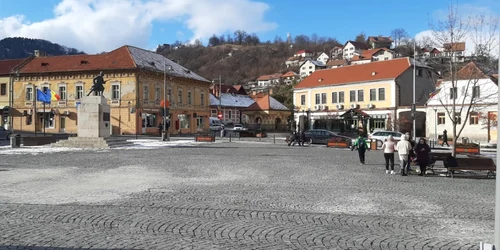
[[382, 135], [4, 134]]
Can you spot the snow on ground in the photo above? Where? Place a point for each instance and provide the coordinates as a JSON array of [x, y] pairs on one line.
[[34, 150], [151, 144]]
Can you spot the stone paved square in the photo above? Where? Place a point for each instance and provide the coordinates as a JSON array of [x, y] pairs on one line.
[[239, 195]]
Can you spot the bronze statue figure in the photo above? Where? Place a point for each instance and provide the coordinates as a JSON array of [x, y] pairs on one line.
[[98, 85]]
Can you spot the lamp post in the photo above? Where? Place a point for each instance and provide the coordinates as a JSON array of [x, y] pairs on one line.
[[413, 108], [220, 102], [497, 199], [165, 135]]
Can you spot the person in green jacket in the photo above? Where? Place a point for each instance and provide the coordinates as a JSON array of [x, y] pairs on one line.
[[361, 145]]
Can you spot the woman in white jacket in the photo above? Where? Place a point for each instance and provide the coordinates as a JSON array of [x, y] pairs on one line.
[[389, 146], [403, 147]]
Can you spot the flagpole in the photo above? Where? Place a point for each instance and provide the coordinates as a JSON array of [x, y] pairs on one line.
[[35, 99], [44, 119]]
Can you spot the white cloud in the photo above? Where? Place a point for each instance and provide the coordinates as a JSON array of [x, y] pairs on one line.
[[467, 12], [102, 25]]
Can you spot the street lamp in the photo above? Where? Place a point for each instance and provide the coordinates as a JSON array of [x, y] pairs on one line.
[[413, 108], [219, 115], [165, 135]]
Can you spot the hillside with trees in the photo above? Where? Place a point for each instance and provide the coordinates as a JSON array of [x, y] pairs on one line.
[[20, 47], [243, 57]]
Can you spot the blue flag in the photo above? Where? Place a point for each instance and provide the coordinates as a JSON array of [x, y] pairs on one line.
[[42, 97]]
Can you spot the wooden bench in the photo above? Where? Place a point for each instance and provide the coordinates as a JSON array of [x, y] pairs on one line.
[[473, 164], [436, 156]]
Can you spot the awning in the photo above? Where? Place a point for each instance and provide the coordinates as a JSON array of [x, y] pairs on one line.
[[355, 113]]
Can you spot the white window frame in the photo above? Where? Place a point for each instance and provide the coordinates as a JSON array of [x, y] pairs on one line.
[[63, 95], [79, 85], [31, 98], [118, 96]]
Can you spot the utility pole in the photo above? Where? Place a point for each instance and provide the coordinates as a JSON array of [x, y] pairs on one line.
[[164, 116], [497, 200], [414, 106]]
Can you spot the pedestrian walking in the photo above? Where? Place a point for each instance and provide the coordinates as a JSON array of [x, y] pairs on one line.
[[411, 156], [389, 146], [403, 147], [361, 145], [292, 139], [422, 151], [445, 138], [160, 128]]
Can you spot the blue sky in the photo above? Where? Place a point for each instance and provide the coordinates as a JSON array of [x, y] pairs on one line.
[[107, 24]]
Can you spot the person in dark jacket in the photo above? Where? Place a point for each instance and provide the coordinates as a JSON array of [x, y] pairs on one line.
[[411, 156], [361, 145], [422, 151], [445, 138]]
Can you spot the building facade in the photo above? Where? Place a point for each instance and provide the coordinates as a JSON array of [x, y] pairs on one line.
[[134, 89], [7, 73], [378, 89], [476, 103]]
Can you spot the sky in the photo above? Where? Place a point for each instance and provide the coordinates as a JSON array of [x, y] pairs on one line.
[[94, 26]]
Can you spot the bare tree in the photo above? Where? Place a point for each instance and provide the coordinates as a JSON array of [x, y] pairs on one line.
[[361, 38], [398, 36], [239, 36], [484, 35], [448, 33]]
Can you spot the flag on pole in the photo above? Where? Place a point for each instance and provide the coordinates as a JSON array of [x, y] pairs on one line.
[[54, 96], [42, 97]]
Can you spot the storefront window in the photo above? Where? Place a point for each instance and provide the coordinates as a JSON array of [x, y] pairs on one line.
[[184, 121], [149, 120], [199, 123]]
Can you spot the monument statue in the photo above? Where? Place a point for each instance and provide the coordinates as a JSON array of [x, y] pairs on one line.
[[98, 85]]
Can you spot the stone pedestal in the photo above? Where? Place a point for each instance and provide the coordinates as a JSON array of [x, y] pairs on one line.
[[94, 117]]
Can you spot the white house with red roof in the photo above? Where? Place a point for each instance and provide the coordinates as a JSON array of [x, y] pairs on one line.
[[476, 101], [310, 66], [323, 57], [266, 81], [352, 48], [304, 53]]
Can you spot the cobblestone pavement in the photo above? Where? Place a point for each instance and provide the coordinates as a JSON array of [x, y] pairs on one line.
[[239, 195]]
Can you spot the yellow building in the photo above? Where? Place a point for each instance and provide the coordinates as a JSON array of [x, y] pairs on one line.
[[340, 99], [7, 73], [134, 88], [267, 113]]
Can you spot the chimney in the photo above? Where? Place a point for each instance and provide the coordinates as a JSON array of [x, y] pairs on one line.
[[39, 53]]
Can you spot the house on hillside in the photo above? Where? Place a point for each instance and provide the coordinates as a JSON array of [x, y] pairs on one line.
[[267, 81], [290, 77], [365, 96], [372, 55], [323, 57], [337, 53], [268, 114], [336, 63], [8, 74], [429, 52], [375, 42], [352, 48], [455, 51], [134, 90], [309, 66], [294, 61], [305, 53], [476, 93]]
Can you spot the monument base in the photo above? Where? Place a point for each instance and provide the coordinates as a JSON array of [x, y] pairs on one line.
[[93, 143], [94, 117]]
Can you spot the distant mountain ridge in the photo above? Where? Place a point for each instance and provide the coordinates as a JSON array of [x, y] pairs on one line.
[[20, 47]]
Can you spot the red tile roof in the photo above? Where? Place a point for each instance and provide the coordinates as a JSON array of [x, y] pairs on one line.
[[117, 59], [269, 77], [6, 66], [470, 71], [332, 63], [303, 51], [374, 71], [289, 73]]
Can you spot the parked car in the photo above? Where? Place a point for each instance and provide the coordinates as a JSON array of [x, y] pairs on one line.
[[4, 134], [321, 136], [239, 127], [215, 124], [382, 135]]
